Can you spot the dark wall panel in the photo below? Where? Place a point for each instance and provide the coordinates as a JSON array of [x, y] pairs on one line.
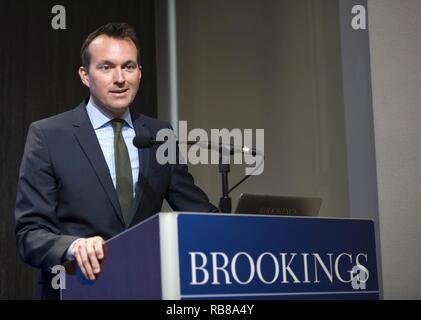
[[38, 78]]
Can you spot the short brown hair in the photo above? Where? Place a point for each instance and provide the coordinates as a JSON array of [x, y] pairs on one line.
[[116, 30]]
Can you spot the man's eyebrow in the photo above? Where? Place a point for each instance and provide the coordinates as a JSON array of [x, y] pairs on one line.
[[129, 62], [101, 62]]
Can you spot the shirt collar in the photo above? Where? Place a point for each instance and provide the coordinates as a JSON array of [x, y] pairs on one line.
[[99, 117]]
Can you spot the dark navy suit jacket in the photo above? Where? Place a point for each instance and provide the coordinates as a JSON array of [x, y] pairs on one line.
[[65, 190]]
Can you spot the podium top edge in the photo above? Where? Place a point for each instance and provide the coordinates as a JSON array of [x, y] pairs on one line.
[[261, 215]]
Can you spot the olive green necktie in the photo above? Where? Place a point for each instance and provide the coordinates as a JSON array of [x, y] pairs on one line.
[[123, 169]]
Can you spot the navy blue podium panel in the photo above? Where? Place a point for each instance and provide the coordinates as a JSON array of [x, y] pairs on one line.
[[227, 256], [131, 269]]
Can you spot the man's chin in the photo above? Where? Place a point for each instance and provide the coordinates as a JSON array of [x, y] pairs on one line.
[[117, 109]]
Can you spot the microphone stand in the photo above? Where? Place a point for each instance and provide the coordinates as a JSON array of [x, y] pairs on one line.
[[225, 200], [225, 204]]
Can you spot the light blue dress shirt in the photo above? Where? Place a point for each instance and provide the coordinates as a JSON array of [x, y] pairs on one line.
[[104, 132]]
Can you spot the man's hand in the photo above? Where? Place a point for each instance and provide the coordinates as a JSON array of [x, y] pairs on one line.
[[89, 252]]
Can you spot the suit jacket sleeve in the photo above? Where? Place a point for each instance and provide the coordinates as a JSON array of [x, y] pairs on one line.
[[38, 235], [183, 194]]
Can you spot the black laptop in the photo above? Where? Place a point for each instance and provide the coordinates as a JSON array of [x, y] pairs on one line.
[[278, 205]]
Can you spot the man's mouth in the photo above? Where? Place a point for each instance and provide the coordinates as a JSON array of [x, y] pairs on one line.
[[119, 91]]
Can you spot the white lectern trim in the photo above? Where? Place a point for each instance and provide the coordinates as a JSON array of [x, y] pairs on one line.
[[170, 271]]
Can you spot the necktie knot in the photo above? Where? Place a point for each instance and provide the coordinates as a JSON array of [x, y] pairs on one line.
[[117, 125]]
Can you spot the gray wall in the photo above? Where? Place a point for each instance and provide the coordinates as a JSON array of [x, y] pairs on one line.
[[273, 64], [395, 40]]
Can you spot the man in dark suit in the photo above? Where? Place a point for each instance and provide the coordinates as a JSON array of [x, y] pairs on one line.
[[81, 179]]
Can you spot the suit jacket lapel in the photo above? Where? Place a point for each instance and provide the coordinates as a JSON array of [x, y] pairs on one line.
[[88, 141]]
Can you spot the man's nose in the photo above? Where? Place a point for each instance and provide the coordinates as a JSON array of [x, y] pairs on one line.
[[119, 75]]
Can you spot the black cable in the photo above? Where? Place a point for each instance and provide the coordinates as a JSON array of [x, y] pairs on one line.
[[246, 177]]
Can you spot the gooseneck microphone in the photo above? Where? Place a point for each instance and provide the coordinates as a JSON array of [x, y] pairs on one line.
[[145, 141]]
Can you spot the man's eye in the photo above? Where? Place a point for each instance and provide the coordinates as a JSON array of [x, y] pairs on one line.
[[105, 67], [130, 67]]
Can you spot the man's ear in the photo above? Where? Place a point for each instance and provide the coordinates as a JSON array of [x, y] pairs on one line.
[[84, 76]]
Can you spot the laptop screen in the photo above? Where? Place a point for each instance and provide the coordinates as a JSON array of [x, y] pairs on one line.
[[278, 205]]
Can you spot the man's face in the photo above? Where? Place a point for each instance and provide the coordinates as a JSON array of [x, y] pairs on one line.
[[113, 77]]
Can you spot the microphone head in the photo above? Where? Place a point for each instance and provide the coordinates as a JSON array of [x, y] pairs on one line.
[[142, 141]]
